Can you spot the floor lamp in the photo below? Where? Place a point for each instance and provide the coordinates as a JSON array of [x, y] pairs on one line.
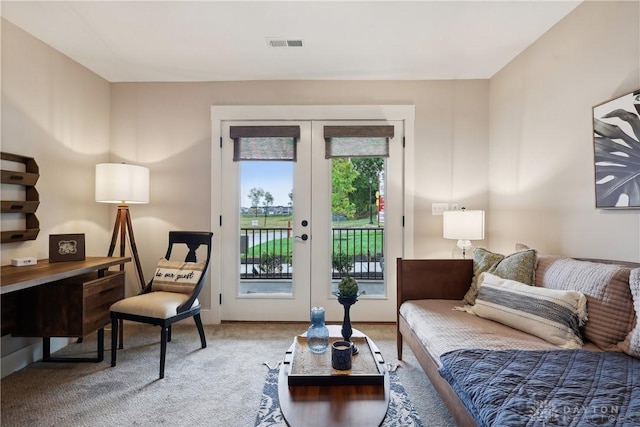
[[123, 184]]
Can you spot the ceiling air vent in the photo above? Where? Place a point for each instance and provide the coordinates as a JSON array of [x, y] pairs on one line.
[[284, 42]]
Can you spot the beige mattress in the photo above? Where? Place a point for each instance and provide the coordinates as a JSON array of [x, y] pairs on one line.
[[440, 328]]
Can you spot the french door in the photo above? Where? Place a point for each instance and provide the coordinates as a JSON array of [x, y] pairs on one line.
[[265, 262], [281, 230]]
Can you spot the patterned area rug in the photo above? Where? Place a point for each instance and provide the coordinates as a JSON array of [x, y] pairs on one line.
[[400, 413]]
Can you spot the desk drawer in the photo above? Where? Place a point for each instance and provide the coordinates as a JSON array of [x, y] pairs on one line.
[[99, 294], [72, 307]]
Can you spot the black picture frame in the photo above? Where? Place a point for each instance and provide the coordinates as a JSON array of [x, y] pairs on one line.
[[66, 247], [616, 145]]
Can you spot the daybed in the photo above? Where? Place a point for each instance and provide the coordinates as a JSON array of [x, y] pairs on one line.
[[489, 372]]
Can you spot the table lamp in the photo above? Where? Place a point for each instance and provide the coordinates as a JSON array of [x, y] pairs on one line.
[[123, 184], [463, 226]]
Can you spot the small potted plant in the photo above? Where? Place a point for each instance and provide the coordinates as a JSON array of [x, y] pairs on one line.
[[347, 287]]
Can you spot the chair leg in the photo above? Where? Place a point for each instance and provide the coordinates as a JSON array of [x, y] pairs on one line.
[[164, 332], [121, 334], [198, 321], [114, 341], [169, 334]]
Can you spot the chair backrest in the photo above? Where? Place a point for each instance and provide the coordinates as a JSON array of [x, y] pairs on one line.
[[193, 240]]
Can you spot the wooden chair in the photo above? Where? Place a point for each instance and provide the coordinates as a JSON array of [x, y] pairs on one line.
[[170, 296]]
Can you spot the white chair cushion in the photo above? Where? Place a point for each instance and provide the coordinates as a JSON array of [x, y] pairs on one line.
[[161, 305]]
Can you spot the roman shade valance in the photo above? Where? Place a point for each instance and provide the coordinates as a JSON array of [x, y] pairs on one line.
[[357, 141], [264, 142]]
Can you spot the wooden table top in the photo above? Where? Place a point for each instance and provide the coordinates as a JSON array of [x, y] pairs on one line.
[[14, 278], [333, 406]]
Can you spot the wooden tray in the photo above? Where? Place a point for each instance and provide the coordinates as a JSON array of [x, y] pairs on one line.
[[308, 368]]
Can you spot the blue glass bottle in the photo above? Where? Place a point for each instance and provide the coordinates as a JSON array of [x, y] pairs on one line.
[[318, 333]]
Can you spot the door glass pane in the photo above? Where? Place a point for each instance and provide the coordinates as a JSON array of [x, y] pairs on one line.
[[266, 241], [357, 206]]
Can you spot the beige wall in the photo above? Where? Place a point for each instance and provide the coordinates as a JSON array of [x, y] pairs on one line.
[[541, 157], [57, 112]]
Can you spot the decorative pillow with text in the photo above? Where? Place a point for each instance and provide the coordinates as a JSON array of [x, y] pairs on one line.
[[177, 276]]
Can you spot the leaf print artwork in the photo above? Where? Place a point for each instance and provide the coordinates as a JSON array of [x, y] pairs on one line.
[[616, 136]]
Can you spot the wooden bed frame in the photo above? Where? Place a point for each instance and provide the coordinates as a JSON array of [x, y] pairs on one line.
[[433, 279], [442, 279]]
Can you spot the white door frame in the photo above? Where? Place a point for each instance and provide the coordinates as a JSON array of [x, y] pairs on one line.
[[219, 114]]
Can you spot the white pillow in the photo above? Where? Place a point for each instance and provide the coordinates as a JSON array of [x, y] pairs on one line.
[[550, 314]]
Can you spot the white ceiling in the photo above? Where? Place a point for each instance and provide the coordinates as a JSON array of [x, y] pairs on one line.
[[127, 41]]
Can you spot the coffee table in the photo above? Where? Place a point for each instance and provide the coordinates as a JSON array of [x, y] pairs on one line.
[[333, 405]]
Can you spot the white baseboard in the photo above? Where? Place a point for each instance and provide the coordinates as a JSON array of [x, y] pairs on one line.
[[209, 317], [27, 355]]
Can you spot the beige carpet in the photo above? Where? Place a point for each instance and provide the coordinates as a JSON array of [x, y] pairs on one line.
[[217, 386]]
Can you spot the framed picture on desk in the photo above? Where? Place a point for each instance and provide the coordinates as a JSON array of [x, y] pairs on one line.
[[66, 247]]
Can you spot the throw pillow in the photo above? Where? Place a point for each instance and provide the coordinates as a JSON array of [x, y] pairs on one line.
[[606, 286], [519, 266], [553, 315], [177, 276], [631, 344]]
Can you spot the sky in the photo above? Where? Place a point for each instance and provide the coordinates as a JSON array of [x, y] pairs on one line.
[[273, 177]]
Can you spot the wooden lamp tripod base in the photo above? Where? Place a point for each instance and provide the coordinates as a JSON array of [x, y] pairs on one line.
[[122, 224]]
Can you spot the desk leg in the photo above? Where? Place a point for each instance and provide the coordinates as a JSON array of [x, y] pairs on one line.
[[46, 351], [100, 345]]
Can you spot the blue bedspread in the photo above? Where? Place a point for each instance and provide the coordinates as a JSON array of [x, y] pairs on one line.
[[546, 388]]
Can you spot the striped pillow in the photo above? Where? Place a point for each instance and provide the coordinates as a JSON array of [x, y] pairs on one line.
[[553, 315], [631, 345], [177, 276], [606, 287]]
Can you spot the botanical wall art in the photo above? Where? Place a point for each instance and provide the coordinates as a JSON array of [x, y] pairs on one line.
[[616, 141]]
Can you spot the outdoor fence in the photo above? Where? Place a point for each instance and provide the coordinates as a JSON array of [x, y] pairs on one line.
[[266, 253]]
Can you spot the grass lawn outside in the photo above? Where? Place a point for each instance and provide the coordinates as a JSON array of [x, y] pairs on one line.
[[359, 239]]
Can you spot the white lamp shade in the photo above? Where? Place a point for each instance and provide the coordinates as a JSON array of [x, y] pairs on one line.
[[122, 183], [463, 225]]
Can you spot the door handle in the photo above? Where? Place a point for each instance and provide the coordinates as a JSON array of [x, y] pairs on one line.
[[304, 237]]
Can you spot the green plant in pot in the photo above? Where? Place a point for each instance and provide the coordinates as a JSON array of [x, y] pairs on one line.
[[348, 287]]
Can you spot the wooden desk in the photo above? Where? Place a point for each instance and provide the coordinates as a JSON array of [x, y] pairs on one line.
[[16, 278], [62, 299]]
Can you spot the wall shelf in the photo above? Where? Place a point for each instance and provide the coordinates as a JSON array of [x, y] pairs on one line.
[[26, 207]]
